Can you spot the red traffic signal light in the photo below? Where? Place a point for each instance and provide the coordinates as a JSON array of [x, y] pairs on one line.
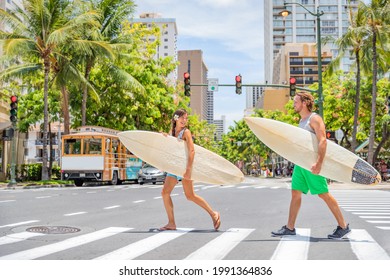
[[187, 84], [238, 84], [14, 109], [293, 86]]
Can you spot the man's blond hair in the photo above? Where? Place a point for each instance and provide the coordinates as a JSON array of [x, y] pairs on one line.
[[307, 98]]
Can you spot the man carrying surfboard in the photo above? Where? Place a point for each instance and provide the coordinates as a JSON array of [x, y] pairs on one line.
[[179, 130], [304, 180]]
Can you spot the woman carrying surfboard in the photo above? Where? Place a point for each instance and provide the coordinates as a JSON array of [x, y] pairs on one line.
[[179, 129], [308, 180]]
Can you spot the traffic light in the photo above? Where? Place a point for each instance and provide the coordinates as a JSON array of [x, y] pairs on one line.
[[187, 84], [293, 86], [238, 84], [14, 109]]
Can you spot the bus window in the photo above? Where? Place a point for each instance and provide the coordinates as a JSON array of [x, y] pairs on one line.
[[72, 146], [93, 146]]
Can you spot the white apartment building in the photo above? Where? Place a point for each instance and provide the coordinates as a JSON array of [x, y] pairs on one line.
[[252, 96], [168, 37], [300, 27], [220, 128]]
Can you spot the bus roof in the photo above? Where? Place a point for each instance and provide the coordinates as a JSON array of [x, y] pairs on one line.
[[90, 133]]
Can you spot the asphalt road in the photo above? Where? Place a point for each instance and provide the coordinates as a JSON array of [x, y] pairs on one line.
[[120, 222]]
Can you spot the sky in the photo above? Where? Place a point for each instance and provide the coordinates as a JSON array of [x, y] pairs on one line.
[[230, 34]]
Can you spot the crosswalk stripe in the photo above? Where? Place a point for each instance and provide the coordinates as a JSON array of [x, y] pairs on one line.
[[145, 245], [293, 247], [365, 247], [374, 217], [17, 237], [219, 247], [385, 228], [378, 222], [63, 245], [19, 224]]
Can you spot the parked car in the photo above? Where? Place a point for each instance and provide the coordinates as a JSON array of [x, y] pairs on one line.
[[150, 174]]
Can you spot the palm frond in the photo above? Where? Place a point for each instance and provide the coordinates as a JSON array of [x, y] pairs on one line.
[[19, 70]]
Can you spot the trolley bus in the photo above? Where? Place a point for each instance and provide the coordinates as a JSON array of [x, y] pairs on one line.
[[96, 154]]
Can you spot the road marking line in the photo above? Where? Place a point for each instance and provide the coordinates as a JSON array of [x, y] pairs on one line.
[[365, 247], [219, 247], [293, 247], [367, 207], [385, 228], [111, 207], [21, 223], [367, 210], [210, 186], [374, 217], [243, 187], [378, 222], [261, 187], [64, 245], [40, 197], [5, 201], [139, 201], [157, 197], [227, 186], [365, 204], [17, 237], [370, 213], [74, 214], [143, 246]]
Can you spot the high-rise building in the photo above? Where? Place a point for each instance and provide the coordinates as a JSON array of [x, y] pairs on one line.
[[191, 61], [252, 95], [168, 29], [210, 107], [300, 27], [220, 128]]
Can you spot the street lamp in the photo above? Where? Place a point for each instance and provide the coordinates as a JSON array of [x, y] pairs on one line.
[[285, 13]]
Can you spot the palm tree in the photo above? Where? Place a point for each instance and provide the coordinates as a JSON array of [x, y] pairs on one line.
[[378, 24], [113, 13], [41, 30], [352, 41]]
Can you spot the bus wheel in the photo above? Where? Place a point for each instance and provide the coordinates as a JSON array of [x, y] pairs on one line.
[[78, 182], [114, 180]]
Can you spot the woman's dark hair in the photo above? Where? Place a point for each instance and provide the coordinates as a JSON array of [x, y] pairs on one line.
[[178, 113]]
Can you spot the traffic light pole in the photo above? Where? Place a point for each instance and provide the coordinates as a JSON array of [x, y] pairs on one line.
[[12, 181]]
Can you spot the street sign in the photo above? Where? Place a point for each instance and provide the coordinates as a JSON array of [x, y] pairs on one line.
[[212, 84]]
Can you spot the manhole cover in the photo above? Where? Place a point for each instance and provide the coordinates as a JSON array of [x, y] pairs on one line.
[[53, 229]]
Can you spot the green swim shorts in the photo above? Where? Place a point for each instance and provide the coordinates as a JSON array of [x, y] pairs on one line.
[[303, 180]]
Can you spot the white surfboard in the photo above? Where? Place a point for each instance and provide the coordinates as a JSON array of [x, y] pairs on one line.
[[300, 147], [170, 154]]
